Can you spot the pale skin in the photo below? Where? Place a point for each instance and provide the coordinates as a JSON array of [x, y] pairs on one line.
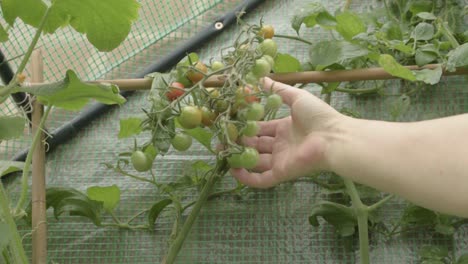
[[424, 162]]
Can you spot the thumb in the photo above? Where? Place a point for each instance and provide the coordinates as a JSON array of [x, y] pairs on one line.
[[288, 93]]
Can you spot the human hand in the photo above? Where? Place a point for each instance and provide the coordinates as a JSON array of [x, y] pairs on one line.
[[293, 146]]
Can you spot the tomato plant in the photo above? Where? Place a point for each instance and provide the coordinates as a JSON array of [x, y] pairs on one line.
[[140, 161], [176, 90], [190, 117], [197, 72], [181, 141]]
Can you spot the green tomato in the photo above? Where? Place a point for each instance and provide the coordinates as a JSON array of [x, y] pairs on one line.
[[190, 117], [255, 112], [250, 78], [217, 65], [249, 158], [269, 47], [181, 141], [140, 161], [261, 68], [251, 129], [269, 59], [235, 161], [273, 101]]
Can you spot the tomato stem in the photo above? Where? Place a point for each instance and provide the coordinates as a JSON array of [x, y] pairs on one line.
[[16, 246], [294, 38], [378, 204], [176, 245], [19, 212]]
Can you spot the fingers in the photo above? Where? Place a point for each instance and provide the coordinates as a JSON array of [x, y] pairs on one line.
[[256, 180], [263, 144], [288, 93]]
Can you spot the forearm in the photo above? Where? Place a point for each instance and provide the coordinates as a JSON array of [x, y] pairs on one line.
[[424, 162]]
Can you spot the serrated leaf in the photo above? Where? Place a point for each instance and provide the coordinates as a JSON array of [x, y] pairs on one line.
[[338, 215], [286, 63], [429, 76], [74, 202], [155, 210], [11, 127], [349, 25], [109, 196], [72, 94], [325, 53], [7, 167], [423, 31], [458, 57], [30, 11], [6, 235], [129, 127], [390, 65], [309, 16], [433, 252], [106, 23], [426, 16]]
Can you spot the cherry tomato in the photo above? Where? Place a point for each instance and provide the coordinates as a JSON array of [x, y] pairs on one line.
[[181, 141], [269, 59], [273, 101], [248, 159], [250, 78], [267, 31], [235, 161], [140, 161], [245, 93], [196, 76], [269, 47], [232, 132], [221, 106], [213, 92], [217, 65], [208, 116], [251, 129], [261, 68], [175, 91], [254, 112], [190, 117]]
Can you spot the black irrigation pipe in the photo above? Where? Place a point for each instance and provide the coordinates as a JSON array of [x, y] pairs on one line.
[[70, 129]]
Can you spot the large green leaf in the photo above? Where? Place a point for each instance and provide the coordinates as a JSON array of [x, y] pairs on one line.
[[423, 31], [338, 215], [30, 11], [286, 63], [458, 57], [429, 76], [349, 25], [11, 127], [72, 94], [7, 167], [311, 15], [155, 210], [391, 66], [201, 135], [325, 53], [106, 23], [109, 196]]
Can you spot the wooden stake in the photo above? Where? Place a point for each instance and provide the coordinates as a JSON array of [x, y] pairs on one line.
[[39, 218]]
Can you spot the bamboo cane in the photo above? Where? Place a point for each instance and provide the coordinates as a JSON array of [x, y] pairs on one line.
[[294, 78], [39, 224]]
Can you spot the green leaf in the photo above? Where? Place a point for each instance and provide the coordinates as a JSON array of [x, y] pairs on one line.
[[74, 202], [392, 31], [418, 216], [418, 6], [458, 57], [426, 16], [7, 167], [400, 106], [11, 127], [433, 252], [391, 66], [30, 11], [129, 127], [445, 229], [155, 210], [310, 15], [286, 63], [423, 31], [424, 57], [6, 235], [429, 76], [3, 34], [106, 23], [401, 46], [201, 135], [72, 94], [109, 196], [349, 25], [338, 215], [325, 53]]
